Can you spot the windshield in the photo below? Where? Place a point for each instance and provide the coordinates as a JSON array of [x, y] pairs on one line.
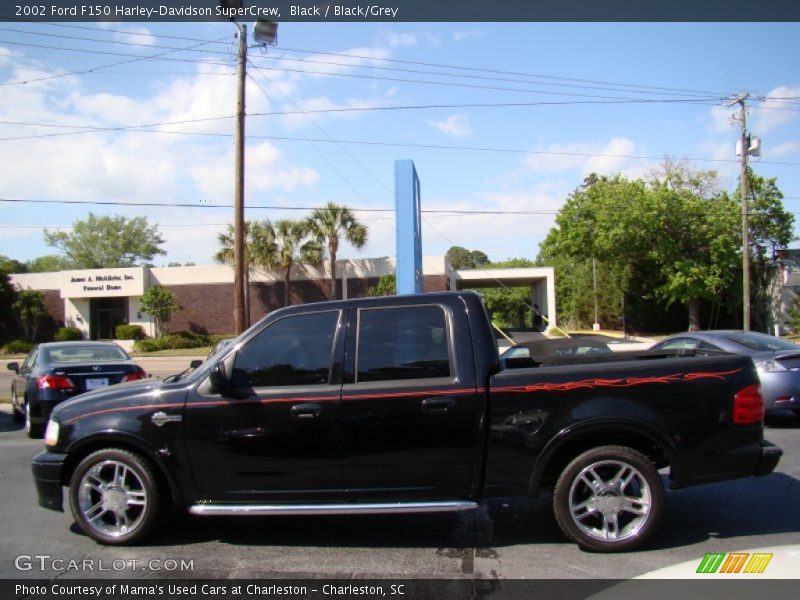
[[760, 341]]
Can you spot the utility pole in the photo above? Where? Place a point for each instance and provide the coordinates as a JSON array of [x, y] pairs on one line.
[[264, 32], [744, 146], [240, 318]]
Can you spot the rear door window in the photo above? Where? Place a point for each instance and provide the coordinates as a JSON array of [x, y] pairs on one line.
[[409, 342]]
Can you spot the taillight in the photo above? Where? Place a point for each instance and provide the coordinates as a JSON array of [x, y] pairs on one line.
[[55, 382], [139, 374], [748, 406]]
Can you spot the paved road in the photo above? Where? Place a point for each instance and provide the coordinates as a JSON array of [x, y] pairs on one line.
[[503, 539]]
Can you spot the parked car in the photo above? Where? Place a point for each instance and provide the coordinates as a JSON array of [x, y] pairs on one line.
[[777, 360], [537, 352], [399, 405], [54, 372]]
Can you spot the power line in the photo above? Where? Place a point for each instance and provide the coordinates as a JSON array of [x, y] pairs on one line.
[[444, 212], [501, 72], [489, 149], [92, 129], [482, 77]]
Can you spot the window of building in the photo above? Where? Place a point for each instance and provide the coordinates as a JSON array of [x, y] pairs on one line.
[[294, 350], [402, 343]]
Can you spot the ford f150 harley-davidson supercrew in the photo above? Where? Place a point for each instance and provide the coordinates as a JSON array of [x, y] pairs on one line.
[[400, 405]]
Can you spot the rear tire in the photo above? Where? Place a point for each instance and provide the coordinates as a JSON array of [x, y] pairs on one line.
[[35, 430], [18, 415], [609, 499], [114, 497]]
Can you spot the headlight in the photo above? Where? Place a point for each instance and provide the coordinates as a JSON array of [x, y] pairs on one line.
[[769, 366], [51, 435]]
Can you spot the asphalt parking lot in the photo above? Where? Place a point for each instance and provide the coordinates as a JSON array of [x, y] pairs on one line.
[[503, 539]]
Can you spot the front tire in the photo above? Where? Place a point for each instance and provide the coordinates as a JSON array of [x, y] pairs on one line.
[[609, 499], [114, 497]]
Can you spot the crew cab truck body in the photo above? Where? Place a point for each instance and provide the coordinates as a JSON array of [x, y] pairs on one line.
[[399, 404]]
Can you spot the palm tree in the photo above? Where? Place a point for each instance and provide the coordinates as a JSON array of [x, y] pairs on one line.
[[291, 243], [225, 256], [328, 224]]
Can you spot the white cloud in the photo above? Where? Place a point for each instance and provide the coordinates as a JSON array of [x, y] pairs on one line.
[[132, 166], [722, 119], [460, 36], [455, 126], [782, 149], [772, 113], [399, 39], [605, 159]]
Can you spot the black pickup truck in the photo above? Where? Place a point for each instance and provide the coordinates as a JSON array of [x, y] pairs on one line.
[[400, 405]]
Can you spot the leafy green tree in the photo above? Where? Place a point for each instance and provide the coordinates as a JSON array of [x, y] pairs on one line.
[[253, 235], [108, 241], [386, 286], [329, 224], [507, 306], [8, 295], [159, 303], [29, 309], [664, 228], [283, 244], [459, 257], [49, 263], [9, 265]]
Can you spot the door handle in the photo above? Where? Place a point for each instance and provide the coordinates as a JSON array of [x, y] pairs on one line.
[[306, 411], [437, 405]]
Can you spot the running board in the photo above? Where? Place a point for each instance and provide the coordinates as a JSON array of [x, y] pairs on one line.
[[331, 509]]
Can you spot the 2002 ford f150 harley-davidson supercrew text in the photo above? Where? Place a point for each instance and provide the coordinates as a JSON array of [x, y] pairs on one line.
[[400, 405]]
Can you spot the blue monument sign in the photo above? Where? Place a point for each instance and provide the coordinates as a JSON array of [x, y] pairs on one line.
[[409, 228]]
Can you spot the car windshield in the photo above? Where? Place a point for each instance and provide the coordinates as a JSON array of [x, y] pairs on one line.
[[760, 341], [84, 353]]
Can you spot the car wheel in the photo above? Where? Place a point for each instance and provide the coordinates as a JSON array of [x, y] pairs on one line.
[[609, 499], [34, 430], [114, 497]]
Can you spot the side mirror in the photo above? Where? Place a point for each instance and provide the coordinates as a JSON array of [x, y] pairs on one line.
[[13, 366], [195, 363], [220, 384]]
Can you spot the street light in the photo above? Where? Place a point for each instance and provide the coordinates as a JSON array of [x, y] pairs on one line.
[[265, 32]]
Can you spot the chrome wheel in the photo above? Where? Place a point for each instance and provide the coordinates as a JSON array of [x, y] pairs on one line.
[[610, 500], [112, 498], [27, 419]]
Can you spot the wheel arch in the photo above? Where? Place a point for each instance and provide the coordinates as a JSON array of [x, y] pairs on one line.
[[83, 448], [573, 441]]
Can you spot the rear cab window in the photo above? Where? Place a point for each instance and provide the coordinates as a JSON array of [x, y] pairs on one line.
[[403, 342]]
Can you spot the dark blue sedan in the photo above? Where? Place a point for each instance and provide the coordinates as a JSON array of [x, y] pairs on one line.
[[777, 361], [54, 372]]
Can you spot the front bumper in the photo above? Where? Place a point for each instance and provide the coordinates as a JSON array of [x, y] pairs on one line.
[[47, 467], [770, 455]]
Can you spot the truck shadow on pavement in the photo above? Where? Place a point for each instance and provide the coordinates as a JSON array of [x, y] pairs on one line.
[[741, 508]]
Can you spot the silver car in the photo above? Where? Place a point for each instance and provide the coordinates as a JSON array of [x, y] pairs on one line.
[[777, 361]]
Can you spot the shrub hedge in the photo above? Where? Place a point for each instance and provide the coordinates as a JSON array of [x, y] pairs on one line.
[[18, 347], [67, 334], [129, 332], [173, 341]]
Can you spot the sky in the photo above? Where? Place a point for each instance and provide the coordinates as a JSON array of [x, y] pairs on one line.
[[504, 118]]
